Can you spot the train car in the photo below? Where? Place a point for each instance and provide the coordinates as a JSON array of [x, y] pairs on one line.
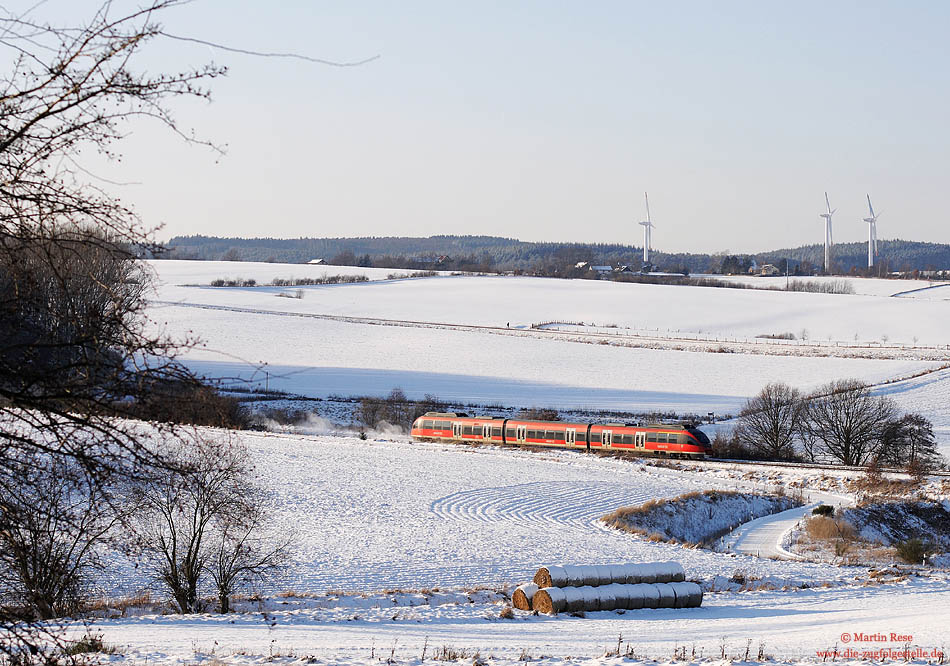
[[682, 440]]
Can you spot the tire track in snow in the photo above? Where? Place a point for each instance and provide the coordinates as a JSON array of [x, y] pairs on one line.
[[542, 502]]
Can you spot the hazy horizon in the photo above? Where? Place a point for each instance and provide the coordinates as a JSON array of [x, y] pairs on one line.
[[548, 121]]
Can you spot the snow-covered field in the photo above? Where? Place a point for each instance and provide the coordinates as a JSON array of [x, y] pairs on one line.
[[468, 339], [432, 523], [396, 538]]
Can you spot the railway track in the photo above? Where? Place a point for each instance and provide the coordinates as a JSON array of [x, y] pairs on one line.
[[805, 466]]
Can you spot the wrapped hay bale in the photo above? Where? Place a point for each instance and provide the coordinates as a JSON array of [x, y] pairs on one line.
[[601, 574], [521, 598], [688, 595], [616, 596], [677, 573], [667, 595], [651, 595], [605, 575], [550, 600], [552, 576], [663, 572], [648, 573]]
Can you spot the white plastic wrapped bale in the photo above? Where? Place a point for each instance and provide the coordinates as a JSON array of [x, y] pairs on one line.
[[522, 596], [596, 575], [650, 594], [688, 595], [550, 600], [667, 595], [648, 573]]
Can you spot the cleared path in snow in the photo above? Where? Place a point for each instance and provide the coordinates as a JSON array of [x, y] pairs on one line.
[[763, 536]]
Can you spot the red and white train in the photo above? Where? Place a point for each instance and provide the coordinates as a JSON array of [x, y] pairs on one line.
[[658, 439]]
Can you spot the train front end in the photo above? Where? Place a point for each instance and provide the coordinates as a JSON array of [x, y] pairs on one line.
[[698, 442]]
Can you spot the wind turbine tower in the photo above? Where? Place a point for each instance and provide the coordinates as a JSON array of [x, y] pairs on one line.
[[872, 234], [647, 235], [828, 243]]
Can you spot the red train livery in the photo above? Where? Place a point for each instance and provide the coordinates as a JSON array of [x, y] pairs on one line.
[[658, 439]]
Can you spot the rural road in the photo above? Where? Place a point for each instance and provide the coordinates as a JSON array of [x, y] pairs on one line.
[[763, 537]]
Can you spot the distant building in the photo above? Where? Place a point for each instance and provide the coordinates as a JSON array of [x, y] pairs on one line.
[[317, 262], [768, 269], [581, 265], [602, 270]]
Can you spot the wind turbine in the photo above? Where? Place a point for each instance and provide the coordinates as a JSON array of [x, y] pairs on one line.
[[827, 217], [872, 233], [647, 226]]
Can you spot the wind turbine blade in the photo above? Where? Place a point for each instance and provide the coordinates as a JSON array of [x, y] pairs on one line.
[[647, 199], [870, 207], [827, 203]]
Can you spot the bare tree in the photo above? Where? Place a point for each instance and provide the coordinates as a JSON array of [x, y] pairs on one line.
[[768, 424], [846, 422], [909, 440], [242, 554], [75, 351], [48, 545], [180, 511]]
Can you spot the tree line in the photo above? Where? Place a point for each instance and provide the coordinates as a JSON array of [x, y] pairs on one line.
[[842, 421], [491, 253]]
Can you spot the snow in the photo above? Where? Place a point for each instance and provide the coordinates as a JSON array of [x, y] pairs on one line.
[[184, 272], [861, 286], [523, 301], [445, 529], [395, 515], [433, 523], [791, 625]]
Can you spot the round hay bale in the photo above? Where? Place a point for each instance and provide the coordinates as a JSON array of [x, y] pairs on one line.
[[633, 599], [648, 573], [605, 575], [612, 596], [576, 598], [550, 600], [651, 595], [521, 598], [634, 574], [678, 575], [662, 572], [682, 592], [618, 573], [695, 595], [667, 596], [552, 576]]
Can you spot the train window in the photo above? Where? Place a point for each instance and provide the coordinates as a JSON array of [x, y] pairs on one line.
[[558, 436], [617, 438], [427, 425], [661, 437], [467, 430], [673, 439], [548, 434], [628, 439], [581, 436], [651, 437], [532, 434], [510, 433], [496, 432]]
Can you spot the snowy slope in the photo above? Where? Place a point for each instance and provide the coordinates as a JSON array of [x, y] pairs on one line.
[[183, 272], [382, 514], [523, 301], [317, 357]]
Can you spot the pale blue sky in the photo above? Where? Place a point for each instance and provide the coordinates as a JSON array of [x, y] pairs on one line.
[[548, 120]]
